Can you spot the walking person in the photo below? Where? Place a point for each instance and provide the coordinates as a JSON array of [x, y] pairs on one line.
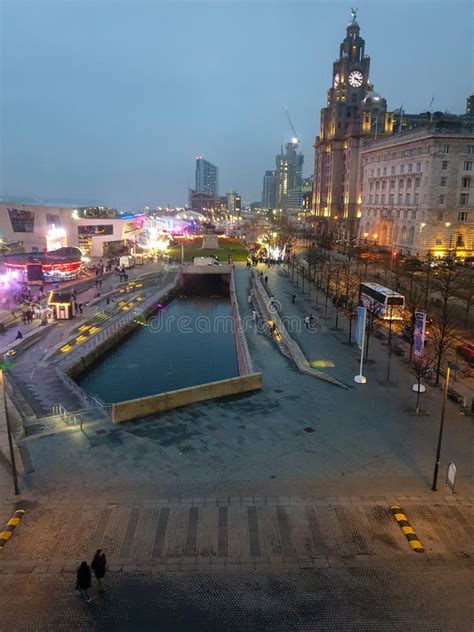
[[266, 279], [84, 580], [99, 564], [293, 298]]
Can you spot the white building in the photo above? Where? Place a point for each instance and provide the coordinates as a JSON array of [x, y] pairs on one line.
[[44, 228], [37, 228], [101, 237], [416, 191]]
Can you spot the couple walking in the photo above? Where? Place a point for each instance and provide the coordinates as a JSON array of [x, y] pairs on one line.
[[84, 577]]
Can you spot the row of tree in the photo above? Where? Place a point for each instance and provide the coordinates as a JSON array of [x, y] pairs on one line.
[[442, 293]]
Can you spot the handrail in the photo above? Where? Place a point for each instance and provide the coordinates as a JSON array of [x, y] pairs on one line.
[[60, 411]]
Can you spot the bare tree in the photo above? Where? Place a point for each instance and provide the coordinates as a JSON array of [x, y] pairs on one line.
[[465, 292], [426, 281], [413, 304], [372, 323], [420, 368], [445, 326]]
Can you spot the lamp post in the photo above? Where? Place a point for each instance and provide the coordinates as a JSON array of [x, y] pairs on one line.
[[422, 225], [454, 366], [448, 225]]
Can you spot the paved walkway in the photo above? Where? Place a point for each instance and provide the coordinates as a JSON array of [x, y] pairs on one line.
[[248, 532], [231, 600]]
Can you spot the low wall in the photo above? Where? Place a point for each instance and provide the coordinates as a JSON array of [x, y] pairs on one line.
[[244, 360], [144, 406]]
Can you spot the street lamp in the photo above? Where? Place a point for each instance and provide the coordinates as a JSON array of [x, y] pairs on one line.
[[454, 367], [448, 225], [422, 225]]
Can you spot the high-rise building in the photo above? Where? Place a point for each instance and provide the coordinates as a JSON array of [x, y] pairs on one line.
[[470, 105], [269, 191], [234, 203], [354, 113], [207, 177], [289, 173]]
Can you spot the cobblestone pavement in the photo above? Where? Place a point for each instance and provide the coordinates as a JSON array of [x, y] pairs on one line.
[[324, 600], [249, 532]]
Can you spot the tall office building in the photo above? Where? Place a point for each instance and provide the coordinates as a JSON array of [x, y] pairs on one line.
[[289, 171], [470, 105], [269, 190], [207, 177], [234, 203]]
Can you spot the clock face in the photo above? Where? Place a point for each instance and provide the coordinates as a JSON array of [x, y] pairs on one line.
[[356, 78], [336, 80]]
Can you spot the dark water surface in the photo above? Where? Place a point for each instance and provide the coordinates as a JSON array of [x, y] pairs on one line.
[[189, 342]]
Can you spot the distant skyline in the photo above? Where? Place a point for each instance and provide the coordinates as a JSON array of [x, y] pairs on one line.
[[111, 101]]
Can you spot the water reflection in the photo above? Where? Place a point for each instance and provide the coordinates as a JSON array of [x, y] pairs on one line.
[[189, 342]]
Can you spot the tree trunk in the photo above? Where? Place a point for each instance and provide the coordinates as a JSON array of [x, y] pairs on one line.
[[438, 366]]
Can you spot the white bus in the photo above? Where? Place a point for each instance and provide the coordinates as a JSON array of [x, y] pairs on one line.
[[386, 303]]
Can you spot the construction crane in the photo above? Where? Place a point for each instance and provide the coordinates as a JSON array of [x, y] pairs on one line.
[[295, 138]]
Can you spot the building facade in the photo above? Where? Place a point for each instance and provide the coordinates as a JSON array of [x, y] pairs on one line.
[[234, 203], [269, 191], [213, 207], [418, 191], [35, 228], [207, 177], [289, 175], [354, 112]]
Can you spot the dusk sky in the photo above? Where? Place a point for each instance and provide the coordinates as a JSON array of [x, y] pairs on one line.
[[111, 101]]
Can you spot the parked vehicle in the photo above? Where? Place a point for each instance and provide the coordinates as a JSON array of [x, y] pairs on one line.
[[466, 351], [127, 261], [387, 303], [205, 261]]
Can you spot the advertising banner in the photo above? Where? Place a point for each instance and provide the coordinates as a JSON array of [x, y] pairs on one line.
[[419, 333], [360, 329]]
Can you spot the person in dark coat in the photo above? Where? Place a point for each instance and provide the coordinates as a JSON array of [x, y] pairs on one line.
[[84, 580], [98, 565]]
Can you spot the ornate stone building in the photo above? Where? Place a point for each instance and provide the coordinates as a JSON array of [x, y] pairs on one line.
[[418, 191], [354, 113]]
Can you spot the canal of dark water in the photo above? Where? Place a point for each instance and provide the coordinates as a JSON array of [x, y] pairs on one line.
[[188, 342]]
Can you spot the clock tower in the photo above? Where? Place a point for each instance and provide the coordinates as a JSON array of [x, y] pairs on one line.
[[353, 112]]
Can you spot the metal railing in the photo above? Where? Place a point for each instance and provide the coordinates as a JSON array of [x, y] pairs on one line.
[[71, 418], [114, 327]]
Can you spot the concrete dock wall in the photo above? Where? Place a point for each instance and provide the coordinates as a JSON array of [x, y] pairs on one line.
[[144, 406]]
